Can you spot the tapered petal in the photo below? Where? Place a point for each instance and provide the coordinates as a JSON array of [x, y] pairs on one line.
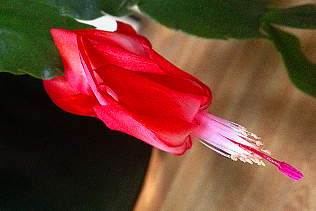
[[66, 42], [71, 92], [118, 78], [170, 69], [175, 141], [65, 97], [143, 95]]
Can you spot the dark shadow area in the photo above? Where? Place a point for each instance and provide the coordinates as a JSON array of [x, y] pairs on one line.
[[54, 160]]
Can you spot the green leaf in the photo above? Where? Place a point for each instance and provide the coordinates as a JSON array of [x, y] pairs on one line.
[[26, 45], [301, 71], [219, 19], [91, 9], [300, 17]]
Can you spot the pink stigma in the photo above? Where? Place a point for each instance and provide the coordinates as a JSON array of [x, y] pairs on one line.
[[285, 168]]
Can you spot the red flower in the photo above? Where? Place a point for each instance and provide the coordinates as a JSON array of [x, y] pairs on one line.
[[118, 78]]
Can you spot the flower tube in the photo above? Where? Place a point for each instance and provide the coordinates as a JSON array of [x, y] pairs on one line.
[[118, 78]]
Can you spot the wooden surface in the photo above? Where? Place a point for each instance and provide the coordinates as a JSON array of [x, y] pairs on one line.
[[250, 86]]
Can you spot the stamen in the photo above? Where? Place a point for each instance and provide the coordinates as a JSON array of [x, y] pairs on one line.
[[285, 168], [214, 131], [262, 163], [216, 149], [236, 142]]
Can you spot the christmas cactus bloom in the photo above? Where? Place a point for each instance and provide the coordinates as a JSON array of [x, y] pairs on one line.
[[118, 78]]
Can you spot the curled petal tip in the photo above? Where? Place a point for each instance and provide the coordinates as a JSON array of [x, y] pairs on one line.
[[290, 171]]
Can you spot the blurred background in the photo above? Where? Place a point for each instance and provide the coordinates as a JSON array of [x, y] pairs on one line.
[[53, 160], [250, 86]]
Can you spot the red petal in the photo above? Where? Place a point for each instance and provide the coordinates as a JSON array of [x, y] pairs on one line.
[[124, 28], [116, 118], [110, 54], [130, 42], [65, 97], [66, 42], [151, 96], [173, 70]]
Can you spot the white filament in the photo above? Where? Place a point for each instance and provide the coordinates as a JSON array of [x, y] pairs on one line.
[[216, 133]]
